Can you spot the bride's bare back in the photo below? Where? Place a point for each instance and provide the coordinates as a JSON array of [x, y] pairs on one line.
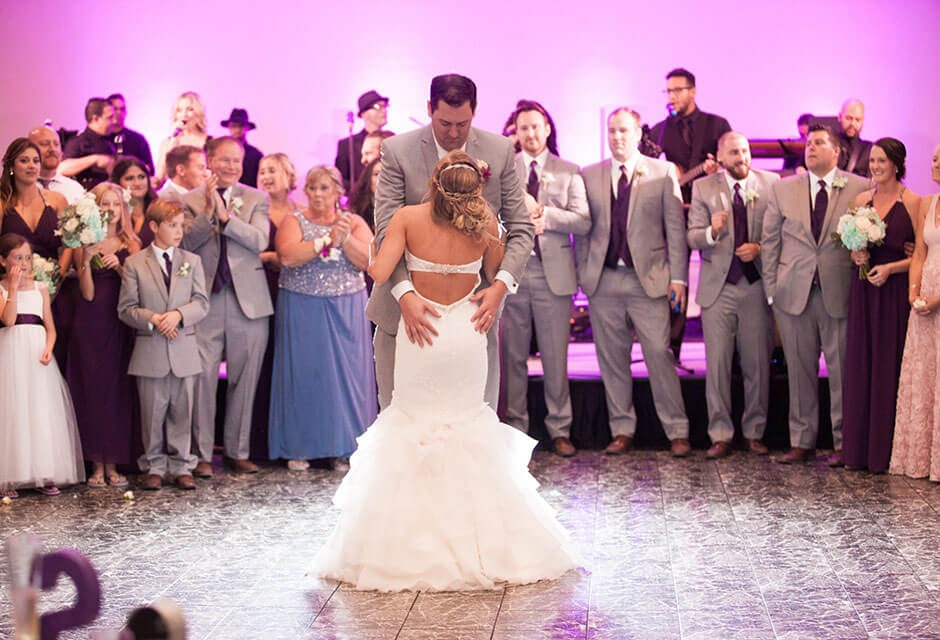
[[415, 229]]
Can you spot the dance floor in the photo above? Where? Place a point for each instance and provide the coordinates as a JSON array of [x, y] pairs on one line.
[[739, 548]]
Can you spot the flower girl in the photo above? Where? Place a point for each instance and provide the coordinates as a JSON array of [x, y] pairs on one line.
[[39, 445]]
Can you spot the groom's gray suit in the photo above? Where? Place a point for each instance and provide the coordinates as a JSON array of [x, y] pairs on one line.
[[808, 282], [626, 298], [408, 160], [732, 314]]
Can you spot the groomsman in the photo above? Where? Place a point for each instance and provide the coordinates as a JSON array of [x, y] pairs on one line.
[[725, 226], [807, 275], [227, 226], [633, 268], [545, 291], [407, 163]]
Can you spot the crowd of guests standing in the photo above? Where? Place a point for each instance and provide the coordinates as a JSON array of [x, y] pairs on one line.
[[282, 297]]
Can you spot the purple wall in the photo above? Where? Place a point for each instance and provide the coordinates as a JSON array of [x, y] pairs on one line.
[[298, 70]]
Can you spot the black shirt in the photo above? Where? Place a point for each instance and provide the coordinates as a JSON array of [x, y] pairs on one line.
[[128, 142], [853, 155], [89, 143], [706, 128], [250, 165]]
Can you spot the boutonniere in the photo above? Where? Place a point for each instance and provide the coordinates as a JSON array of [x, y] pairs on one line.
[[640, 170], [484, 169], [547, 178], [237, 204], [184, 269], [839, 182], [751, 196]]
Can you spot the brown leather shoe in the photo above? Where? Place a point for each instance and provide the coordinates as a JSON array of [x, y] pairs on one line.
[[757, 447], [835, 460], [562, 447], [680, 448], [619, 445], [185, 482], [718, 450], [242, 466], [795, 455], [151, 482], [203, 470]]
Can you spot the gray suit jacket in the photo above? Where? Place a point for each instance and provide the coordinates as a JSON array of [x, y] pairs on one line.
[[561, 190], [655, 227], [143, 293], [790, 253], [711, 194], [247, 232], [408, 160]]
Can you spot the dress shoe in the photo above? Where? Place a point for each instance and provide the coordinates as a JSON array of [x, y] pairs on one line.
[[185, 482], [203, 470], [151, 482], [757, 447], [835, 460], [680, 448], [242, 466], [619, 445], [795, 455], [562, 447], [718, 450]]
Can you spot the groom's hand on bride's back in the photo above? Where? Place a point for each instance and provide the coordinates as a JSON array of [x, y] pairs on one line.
[[414, 312]]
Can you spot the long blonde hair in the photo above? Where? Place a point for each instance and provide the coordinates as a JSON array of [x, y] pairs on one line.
[[456, 194], [125, 227], [199, 108]]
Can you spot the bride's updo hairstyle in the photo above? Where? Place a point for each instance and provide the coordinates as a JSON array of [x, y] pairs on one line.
[[457, 194]]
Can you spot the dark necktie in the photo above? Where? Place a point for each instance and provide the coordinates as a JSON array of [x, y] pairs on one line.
[[738, 267], [533, 188], [619, 248], [169, 270], [223, 274], [45, 182], [685, 132], [819, 210]]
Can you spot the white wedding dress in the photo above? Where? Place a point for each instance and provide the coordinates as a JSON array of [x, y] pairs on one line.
[[438, 495]]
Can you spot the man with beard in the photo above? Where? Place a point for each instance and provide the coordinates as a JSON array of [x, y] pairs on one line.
[[853, 151], [725, 223], [50, 148]]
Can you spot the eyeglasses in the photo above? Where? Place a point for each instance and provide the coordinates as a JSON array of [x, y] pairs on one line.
[[669, 92]]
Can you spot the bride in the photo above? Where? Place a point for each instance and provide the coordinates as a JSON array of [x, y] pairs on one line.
[[438, 495]]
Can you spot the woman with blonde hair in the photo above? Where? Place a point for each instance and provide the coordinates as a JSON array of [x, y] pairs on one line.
[[104, 396], [439, 496], [189, 128]]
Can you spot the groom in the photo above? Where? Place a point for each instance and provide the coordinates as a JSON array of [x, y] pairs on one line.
[[407, 163]]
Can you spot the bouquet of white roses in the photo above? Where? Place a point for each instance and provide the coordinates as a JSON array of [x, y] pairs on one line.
[[83, 224], [858, 229], [47, 271]]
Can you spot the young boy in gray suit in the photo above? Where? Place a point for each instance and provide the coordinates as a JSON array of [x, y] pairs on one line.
[[163, 297]]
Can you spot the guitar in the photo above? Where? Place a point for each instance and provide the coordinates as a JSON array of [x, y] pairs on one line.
[[686, 176]]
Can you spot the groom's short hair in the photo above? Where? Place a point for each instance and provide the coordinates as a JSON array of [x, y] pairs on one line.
[[453, 89]]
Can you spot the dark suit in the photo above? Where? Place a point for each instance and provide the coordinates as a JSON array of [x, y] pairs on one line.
[[706, 129], [342, 157], [853, 155], [250, 165], [132, 144]]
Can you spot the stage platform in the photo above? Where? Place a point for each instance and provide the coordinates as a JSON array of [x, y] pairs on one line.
[[590, 428]]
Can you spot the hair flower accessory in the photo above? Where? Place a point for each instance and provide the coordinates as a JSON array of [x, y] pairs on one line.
[[839, 182], [184, 269], [484, 169]]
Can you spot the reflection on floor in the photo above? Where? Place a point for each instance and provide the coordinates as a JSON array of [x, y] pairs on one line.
[[741, 548]]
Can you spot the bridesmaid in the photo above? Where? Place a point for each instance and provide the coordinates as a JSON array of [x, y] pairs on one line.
[[278, 178], [103, 394], [916, 451], [32, 212], [131, 174], [877, 317], [189, 127]]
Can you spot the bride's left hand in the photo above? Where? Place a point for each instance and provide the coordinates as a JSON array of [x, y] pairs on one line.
[[490, 299]]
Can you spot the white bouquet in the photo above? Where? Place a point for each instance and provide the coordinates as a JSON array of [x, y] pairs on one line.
[[47, 271], [859, 229], [83, 224]]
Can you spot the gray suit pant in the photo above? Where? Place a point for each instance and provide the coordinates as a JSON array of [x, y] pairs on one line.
[[534, 301], [384, 347], [739, 317], [243, 341], [166, 400], [617, 308], [802, 337]]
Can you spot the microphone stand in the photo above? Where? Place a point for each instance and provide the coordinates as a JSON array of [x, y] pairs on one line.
[[352, 164]]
